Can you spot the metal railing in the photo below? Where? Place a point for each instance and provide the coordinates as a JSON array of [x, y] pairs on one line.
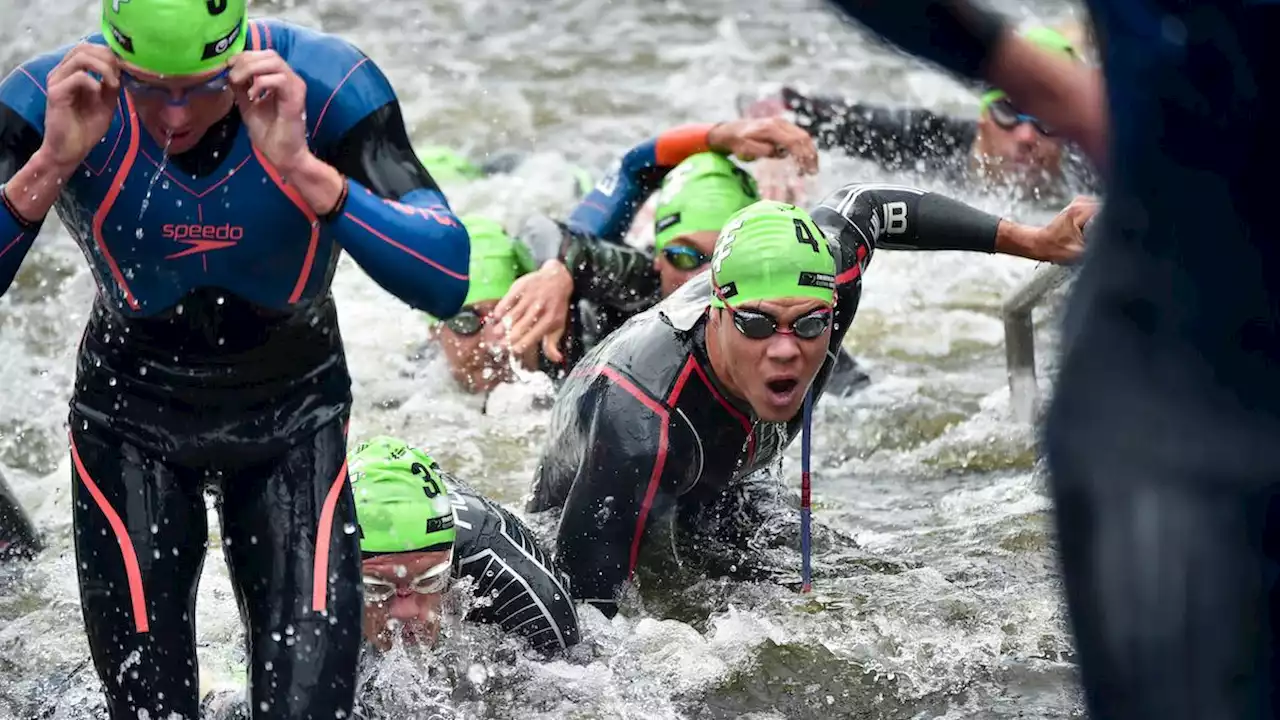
[[1020, 341]]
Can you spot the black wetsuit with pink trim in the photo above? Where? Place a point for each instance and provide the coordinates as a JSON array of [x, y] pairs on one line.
[[645, 442], [212, 357]]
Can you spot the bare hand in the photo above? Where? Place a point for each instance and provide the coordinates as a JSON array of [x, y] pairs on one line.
[[79, 108], [774, 137], [780, 180], [536, 308], [272, 100], [1062, 240]]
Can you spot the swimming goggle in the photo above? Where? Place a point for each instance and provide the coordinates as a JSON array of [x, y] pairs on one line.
[[759, 325], [467, 322], [148, 91], [1009, 117], [683, 257], [432, 582]]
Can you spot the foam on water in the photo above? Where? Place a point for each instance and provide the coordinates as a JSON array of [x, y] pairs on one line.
[[949, 609]]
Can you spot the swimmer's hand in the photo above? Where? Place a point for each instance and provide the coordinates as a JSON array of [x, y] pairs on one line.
[[536, 309], [1060, 242], [84, 90], [748, 139], [272, 100]]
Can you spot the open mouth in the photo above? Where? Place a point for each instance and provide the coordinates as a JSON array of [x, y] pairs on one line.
[[782, 387]]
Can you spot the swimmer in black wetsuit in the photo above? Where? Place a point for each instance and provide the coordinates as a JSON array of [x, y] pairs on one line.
[[212, 353], [420, 529], [550, 320], [696, 198], [1002, 146], [668, 415]]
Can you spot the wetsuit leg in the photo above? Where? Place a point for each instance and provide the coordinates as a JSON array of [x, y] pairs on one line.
[[18, 536], [1172, 586], [140, 536], [283, 521]]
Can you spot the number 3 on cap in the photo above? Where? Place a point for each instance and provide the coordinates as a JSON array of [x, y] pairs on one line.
[[804, 236]]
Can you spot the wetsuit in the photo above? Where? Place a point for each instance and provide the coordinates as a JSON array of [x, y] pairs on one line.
[[911, 138], [1162, 435], [526, 593], [212, 356], [644, 440], [515, 582], [613, 281], [17, 535]]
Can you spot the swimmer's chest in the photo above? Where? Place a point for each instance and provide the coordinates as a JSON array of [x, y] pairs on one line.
[[240, 227]]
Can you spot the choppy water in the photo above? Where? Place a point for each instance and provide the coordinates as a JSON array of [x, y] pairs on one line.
[[958, 616]]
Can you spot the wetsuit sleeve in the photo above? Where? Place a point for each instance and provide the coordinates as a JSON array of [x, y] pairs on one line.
[[892, 137], [395, 223], [865, 217], [612, 275], [22, 102], [624, 487], [607, 211], [516, 584], [955, 34]]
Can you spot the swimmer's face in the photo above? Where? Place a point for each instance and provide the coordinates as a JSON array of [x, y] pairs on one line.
[[683, 258], [414, 616], [1014, 151], [773, 373], [473, 346], [178, 110]]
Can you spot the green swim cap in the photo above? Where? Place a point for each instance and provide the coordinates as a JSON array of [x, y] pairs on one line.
[[175, 37], [769, 251], [699, 194], [1044, 38], [496, 260], [447, 166], [402, 503]]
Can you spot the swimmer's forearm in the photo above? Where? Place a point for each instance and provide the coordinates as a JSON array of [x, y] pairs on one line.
[[33, 190], [318, 182], [414, 247], [25, 200], [607, 211], [956, 34]]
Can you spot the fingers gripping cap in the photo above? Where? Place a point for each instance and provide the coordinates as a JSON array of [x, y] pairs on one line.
[[770, 251], [175, 37], [402, 503], [699, 194]]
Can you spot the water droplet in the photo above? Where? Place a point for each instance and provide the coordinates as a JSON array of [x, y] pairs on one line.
[[154, 528], [269, 665], [253, 540], [111, 382], [142, 371], [179, 310], [349, 528], [138, 234], [220, 300], [221, 341], [275, 636]]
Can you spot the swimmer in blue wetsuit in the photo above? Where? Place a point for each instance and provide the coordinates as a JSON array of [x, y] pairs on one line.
[[211, 169]]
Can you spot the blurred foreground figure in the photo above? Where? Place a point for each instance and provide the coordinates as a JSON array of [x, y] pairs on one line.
[[1162, 437]]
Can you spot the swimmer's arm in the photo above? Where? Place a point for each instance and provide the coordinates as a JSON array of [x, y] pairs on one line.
[[894, 137], [610, 274], [607, 211], [955, 34], [867, 217], [624, 485], [29, 185], [394, 221]]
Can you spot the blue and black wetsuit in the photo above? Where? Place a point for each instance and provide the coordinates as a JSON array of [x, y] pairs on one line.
[[645, 441], [212, 356], [613, 281]]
